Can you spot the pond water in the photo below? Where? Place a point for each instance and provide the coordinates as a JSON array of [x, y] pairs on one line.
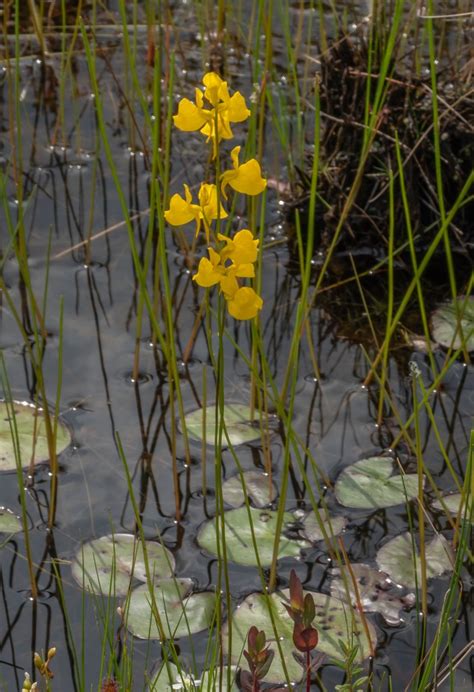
[[68, 193]]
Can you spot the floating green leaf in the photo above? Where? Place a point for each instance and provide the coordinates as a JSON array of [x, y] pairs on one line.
[[377, 593], [9, 522], [312, 529], [370, 484], [397, 559], [259, 489], [32, 440], [167, 676], [453, 503], [334, 620], [446, 327], [238, 536], [180, 611], [240, 425], [107, 564]]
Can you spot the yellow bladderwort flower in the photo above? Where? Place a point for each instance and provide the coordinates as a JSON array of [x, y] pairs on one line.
[[213, 123], [210, 271], [244, 304], [246, 178], [183, 211], [241, 249]]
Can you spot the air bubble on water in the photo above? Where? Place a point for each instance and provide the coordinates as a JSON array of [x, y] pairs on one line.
[[281, 203]]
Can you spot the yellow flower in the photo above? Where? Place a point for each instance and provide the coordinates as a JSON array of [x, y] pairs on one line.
[[191, 116], [229, 284], [246, 178], [210, 271], [241, 249], [183, 211], [245, 304], [213, 123]]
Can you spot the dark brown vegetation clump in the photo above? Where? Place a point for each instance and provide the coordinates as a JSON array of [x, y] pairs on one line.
[[407, 115]]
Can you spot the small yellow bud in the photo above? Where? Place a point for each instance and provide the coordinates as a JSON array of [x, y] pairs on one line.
[[39, 663], [51, 653], [26, 683]]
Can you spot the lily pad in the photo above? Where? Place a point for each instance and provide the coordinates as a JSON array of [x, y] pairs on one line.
[[397, 559], [238, 536], [312, 530], [452, 503], [370, 484], [168, 678], [334, 620], [240, 425], [181, 612], [32, 439], [445, 327], [9, 522], [107, 564], [259, 488], [376, 591]]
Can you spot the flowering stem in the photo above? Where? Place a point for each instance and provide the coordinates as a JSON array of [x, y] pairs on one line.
[[308, 671]]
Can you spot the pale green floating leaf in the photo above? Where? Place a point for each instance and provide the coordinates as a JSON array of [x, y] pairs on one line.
[[312, 530], [9, 522], [181, 612], [210, 681], [240, 425], [32, 438], [259, 488], [105, 564], [377, 593], [453, 502], [239, 544], [334, 620], [446, 329], [369, 484], [397, 559]]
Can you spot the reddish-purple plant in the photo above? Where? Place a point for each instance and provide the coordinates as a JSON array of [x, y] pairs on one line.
[[302, 611], [259, 658]]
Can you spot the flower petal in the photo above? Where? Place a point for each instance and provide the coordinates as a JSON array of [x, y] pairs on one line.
[[244, 271], [208, 203], [237, 108], [245, 304], [249, 179], [212, 82], [180, 211], [206, 275], [241, 249], [189, 116], [229, 285]]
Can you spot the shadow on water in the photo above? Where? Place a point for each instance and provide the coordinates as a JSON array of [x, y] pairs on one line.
[[70, 199]]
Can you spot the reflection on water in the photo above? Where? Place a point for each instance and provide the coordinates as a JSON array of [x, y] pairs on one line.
[[68, 197]]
